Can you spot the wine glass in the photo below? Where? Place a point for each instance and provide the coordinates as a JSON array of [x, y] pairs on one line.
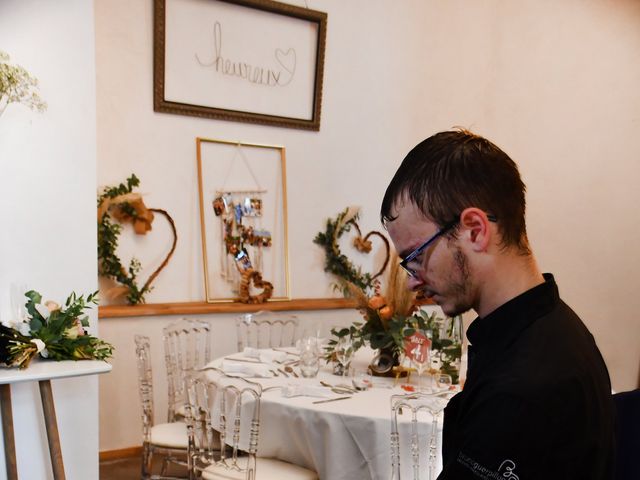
[[443, 382], [344, 352], [361, 379]]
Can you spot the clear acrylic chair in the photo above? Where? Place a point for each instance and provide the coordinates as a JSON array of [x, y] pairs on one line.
[[421, 406], [166, 439], [265, 329], [226, 410], [187, 347]]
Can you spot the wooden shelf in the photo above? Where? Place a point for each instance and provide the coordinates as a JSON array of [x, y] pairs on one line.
[[199, 308]]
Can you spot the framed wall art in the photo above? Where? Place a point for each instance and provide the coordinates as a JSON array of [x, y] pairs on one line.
[[256, 61], [243, 217]]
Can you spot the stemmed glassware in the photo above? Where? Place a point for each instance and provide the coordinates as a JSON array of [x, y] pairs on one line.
[[443, 382], [344, 352]]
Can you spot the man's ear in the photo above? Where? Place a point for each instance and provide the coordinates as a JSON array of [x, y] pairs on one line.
[[475, 227]]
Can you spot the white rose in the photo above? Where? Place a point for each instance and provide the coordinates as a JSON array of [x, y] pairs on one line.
[[51, 305], [71, 332], [40, 346]]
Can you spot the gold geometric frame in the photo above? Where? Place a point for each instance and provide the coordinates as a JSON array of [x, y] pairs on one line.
[[203, 229]]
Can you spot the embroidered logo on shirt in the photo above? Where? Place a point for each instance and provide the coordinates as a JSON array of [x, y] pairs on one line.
[[505, 471]]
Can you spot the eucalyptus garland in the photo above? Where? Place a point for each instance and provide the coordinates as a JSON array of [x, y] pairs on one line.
[[109, 263], [335, 261], [117, 205]]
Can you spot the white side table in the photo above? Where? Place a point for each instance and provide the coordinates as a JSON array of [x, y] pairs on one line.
[[42, 371]]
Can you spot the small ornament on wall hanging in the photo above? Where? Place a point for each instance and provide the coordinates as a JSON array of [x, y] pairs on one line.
[[117, 206]]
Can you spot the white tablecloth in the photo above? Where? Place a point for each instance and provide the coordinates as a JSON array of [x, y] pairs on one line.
[[342, 440]]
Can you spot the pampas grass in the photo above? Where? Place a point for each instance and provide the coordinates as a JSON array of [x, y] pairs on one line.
[[399, 298]]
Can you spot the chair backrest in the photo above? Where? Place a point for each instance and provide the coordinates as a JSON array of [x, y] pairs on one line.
[[265, 329], [223, 410], [627, 405], [421, 407], [145, 382], [187, 347]]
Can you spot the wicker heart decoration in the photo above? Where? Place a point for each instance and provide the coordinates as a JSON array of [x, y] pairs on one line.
[[364, 245], [254, 277], [120, 206]]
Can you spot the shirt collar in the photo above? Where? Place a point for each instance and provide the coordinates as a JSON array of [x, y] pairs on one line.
[[498, 329]]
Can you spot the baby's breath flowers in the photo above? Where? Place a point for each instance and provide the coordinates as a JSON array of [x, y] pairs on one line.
[[18, 86]]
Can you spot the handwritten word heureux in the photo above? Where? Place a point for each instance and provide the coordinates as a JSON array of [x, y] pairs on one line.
[[279, 76]]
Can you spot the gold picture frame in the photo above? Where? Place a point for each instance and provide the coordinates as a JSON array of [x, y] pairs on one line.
[[245, 180]]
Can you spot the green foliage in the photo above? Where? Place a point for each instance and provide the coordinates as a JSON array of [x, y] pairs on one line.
[[109, 264], [388, 335], [121, 189], [54, 332], [450, 350], [335, 261], [391, 336]]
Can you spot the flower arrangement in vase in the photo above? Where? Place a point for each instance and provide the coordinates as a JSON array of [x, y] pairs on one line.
[[391, 313], [388, 318]]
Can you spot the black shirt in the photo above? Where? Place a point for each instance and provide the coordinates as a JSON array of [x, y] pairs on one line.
[[537, 400]]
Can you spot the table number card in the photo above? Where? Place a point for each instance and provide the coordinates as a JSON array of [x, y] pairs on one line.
[[416, 347]]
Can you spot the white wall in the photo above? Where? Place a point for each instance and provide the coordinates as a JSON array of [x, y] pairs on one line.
[[553, 83], [47, 209]]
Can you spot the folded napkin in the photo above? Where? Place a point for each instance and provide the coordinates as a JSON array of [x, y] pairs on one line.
[[266, 355], [293, 390], [248, 369]]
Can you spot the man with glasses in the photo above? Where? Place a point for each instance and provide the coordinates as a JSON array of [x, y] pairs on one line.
[[537, 399]]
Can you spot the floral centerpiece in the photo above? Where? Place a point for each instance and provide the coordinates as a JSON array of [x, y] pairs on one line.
[[386, 315], [391, 314], [390, 319], [51, 331]]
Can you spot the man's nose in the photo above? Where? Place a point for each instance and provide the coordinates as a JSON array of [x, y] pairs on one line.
[[414, 283]]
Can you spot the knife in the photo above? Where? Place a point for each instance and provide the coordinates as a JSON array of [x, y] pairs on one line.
[[246, 360], [331, 400]]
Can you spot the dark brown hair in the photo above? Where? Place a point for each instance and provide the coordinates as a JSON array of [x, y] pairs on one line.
[[454, 170]]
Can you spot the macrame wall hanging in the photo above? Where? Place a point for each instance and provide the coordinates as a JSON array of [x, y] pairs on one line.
[[244, 238]]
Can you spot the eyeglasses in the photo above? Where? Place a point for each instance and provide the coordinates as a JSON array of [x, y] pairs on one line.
[[413, 256]]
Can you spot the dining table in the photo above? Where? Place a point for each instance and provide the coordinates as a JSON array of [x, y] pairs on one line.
[[340, 436]]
